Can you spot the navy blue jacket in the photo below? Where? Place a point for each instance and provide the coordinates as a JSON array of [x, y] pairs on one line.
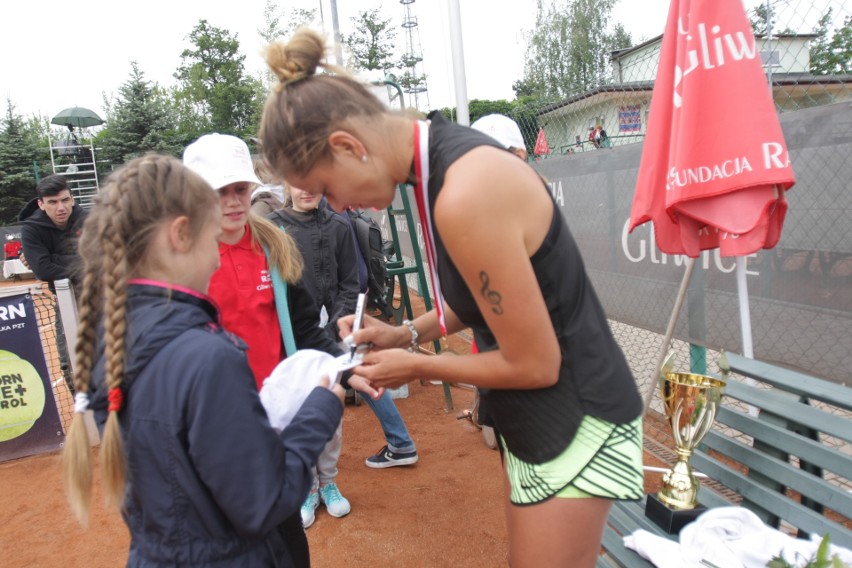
[[209, 480]]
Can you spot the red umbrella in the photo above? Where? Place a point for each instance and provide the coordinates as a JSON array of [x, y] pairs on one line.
[[541, 146], [715, 167]]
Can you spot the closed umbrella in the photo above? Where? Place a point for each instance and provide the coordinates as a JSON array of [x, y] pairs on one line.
[[541, 146], [714, 167], [76, 116]]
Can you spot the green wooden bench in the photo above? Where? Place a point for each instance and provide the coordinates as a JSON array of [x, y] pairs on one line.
[[785, 464]]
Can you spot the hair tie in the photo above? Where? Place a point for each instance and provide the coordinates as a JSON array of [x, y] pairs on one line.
[[116, 397], [287, 82], [81, 402]]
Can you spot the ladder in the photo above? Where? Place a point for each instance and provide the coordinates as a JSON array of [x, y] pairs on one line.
[[76, 162], [397, 270]]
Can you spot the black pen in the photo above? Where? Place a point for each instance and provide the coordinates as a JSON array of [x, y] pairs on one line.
[[356, 325]]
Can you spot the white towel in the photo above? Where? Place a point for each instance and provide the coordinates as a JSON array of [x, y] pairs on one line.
[[659, 551], [292, 380], [728, 537]]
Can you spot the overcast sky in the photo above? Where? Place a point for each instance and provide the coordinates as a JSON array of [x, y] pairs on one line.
[[57, 54]]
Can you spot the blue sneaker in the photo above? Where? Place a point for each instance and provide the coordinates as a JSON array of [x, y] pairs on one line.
[[387, 458], [336, 504], [309, 508]]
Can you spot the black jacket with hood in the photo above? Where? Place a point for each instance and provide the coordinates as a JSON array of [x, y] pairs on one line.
[[331, 270], [209, 480], [50, 251]]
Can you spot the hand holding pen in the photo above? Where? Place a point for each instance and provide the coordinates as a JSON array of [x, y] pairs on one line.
[[356, 325]]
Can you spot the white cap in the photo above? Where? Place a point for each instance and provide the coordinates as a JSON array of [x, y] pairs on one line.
[[276, 190], [502, 129], [221, 159]]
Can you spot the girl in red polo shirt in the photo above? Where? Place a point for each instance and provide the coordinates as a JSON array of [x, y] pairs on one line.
[[271, 311]]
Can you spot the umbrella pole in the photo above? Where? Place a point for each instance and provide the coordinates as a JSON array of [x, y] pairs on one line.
[[745, 320], [745, 315], [681, 294]]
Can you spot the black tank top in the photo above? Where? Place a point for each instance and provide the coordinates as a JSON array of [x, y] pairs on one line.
[[594, 377]]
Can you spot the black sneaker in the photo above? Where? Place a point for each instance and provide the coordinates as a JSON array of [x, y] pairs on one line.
[[386, 458]]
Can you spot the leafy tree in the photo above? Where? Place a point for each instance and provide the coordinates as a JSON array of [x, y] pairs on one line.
[[759, 20], [569, 49], [372, 48], [139, 120], [213, 81], [278, 23], [273, 17], [620, 38], [371, 45], [478, 108], [525, 88], [834, 56], [19, 148]]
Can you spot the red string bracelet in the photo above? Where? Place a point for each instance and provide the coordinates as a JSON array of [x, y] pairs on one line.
[[116, 397]]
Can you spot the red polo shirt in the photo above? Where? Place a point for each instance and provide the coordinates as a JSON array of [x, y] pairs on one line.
[[12, 249], [242, 288]]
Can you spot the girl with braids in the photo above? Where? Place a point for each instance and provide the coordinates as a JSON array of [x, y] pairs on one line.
[[553, 382], [188, 454]]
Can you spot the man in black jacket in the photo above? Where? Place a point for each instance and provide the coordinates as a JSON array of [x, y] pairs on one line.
[[51, 228]]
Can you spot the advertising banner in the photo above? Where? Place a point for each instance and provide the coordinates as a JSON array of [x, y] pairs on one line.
[[29, 420]]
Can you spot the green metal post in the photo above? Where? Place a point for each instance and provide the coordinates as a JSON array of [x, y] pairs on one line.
[[697, 359]]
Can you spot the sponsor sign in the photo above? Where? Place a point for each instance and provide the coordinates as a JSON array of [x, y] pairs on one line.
[[29, 421]]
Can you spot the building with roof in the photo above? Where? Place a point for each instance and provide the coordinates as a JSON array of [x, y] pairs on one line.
[[622, 107]]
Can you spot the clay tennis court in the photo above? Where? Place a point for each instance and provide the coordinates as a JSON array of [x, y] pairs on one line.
[[444, 511]]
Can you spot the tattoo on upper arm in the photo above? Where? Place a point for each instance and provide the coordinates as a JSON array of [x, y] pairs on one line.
[[493, 297]]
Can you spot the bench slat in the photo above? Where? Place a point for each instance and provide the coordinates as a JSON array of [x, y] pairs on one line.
[[791, 409], [624, 524], [806, 449], [792, 381], [772, 501], [802, 482]]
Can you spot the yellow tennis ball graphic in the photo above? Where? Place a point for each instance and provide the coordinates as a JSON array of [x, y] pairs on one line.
[[21, 396]]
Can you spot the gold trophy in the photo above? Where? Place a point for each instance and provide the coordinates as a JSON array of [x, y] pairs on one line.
[[691, 402]]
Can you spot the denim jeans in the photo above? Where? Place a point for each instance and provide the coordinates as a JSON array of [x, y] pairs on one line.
[[396, 434]]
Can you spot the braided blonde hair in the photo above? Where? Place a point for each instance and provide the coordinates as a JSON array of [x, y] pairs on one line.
[[114, 245]]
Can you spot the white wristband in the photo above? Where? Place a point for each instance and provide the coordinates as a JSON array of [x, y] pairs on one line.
[[81, 402], [414, 335]]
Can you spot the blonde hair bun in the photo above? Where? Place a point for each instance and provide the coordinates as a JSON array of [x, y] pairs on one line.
[[298, 58]]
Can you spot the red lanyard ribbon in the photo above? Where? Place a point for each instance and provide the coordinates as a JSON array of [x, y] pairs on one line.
[[421, 194]]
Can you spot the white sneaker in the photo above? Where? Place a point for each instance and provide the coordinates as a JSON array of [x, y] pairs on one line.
[[337, 504], [309, 508]]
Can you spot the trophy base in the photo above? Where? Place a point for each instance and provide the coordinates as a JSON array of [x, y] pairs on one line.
[[670, 520]]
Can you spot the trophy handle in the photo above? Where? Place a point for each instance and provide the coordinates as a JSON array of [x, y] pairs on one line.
[[702, 427]]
